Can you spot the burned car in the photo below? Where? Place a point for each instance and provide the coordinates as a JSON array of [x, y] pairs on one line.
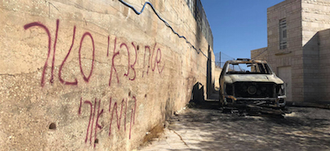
[[245, 81]]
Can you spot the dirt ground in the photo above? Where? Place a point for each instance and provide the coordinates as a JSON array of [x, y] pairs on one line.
[[208, 128]]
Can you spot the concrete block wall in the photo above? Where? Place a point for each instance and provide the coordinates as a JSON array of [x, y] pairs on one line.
[[93, 75], [292, 55]]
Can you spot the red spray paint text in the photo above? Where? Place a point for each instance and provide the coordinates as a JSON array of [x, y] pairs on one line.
[[95, 116], [151, 58]]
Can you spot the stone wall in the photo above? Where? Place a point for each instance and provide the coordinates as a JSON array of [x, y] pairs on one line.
[[307, 49], [259, 54], [217, 73], [199, 14], [84, 75], [324, 65], [315, 17], [292, 55]]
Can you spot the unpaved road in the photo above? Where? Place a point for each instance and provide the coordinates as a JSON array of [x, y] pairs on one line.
[[207, 128]]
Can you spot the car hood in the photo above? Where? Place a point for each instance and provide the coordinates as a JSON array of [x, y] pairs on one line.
[[231, 78]]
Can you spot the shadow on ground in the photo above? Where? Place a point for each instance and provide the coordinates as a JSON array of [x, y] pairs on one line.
[[205, 127]]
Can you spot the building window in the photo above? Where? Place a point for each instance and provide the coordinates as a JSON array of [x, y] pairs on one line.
[[283, 34]]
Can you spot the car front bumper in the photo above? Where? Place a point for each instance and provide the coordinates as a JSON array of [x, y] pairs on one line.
[[271, 102]]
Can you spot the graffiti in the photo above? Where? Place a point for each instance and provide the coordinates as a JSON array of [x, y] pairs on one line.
[[114, 110], [27, 26], [155, 61], [97, 125], [132, 65], [119, 110], [66, 57], [154, 57], [91, 120], [113, 68], [129, 65], [81, 70]]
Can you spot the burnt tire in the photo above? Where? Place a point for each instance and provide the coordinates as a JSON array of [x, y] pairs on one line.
[[221, 101]]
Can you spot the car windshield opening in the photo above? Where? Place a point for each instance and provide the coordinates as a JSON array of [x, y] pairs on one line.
[[248, 68]]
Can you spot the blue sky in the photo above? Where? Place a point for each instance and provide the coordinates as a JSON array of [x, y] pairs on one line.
[[238, 26]]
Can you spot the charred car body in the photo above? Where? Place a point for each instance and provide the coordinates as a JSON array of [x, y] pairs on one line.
[[245, 81]]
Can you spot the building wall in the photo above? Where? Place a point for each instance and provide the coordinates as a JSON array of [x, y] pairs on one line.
[[84, 75], [198, 12], [292, 55], [217, 73], [308, 48], [324, 65], [259, 54], [315, 17]]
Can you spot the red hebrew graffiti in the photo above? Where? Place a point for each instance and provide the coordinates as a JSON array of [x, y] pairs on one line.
[[95, 116], [158, 60], [81, 70], [118, 119], [110, 102], [53, 62], [153, 61], [154, 58], [90, 117], [66, 57], [97, 125], [145, 52], [91, 135], [132, 65], [128, 67], [27, 26], [113, 68], [79, 111]]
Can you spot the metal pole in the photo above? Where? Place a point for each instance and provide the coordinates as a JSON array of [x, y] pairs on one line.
[[220, 59]]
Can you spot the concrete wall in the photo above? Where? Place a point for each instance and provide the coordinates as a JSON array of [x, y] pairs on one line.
[[92, 74], [292, 55]]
